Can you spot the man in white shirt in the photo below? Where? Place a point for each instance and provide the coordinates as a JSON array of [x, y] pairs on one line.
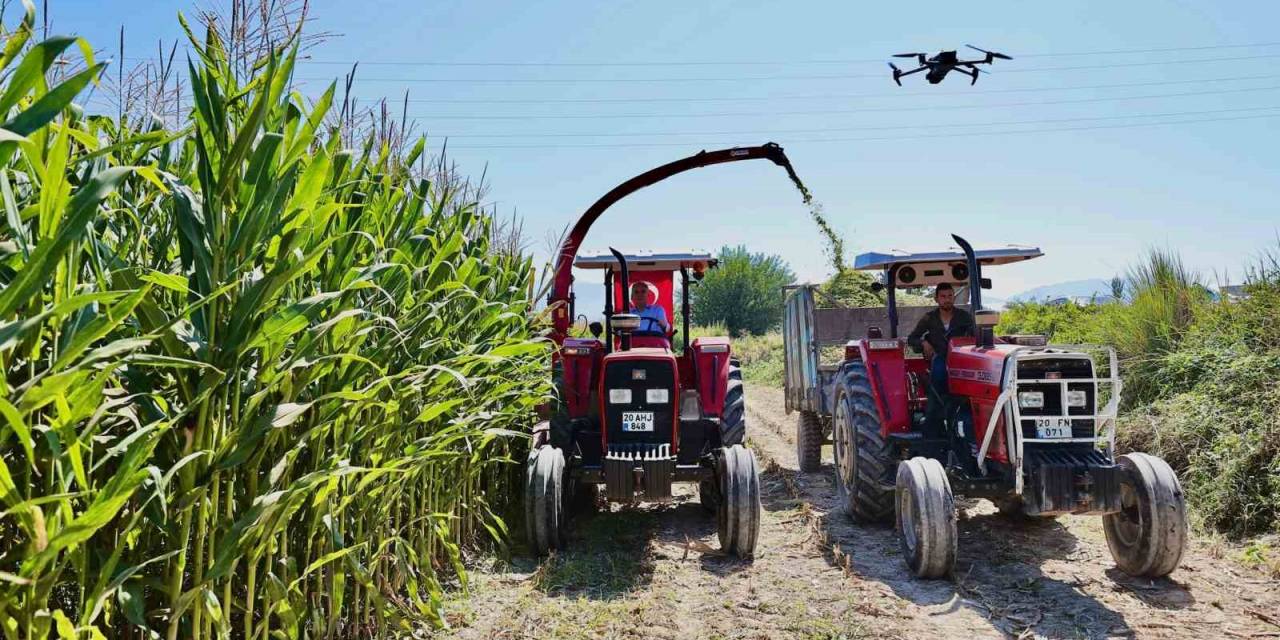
[[653, 318]]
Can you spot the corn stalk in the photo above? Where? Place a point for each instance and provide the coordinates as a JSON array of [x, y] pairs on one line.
[[255, 383]]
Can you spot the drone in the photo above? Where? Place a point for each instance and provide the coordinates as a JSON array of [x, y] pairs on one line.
[[943, 63]]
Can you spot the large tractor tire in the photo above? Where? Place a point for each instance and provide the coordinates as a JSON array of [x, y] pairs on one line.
[[544, 508], [1148, 535], [863, 460], [733, 420], [926, 515], [809, 437], [738, 510]]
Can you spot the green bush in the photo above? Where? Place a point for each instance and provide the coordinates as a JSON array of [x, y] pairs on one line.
[[744, 293], [1200, 382], [761, 356]]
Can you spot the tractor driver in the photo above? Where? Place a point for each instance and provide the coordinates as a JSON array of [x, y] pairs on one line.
[[653, 318], [932, 336]]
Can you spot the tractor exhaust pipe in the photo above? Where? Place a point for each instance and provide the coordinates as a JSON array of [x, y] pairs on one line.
[[986, 335], [626, 293]]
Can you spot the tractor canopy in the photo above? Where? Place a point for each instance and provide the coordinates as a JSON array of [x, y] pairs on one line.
[[655, 268], [911, 270]]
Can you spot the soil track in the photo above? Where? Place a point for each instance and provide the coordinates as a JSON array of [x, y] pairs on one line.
[[655, 572]]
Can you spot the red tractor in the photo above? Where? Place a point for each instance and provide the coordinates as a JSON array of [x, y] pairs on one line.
[[632, 413], [1025, 424]]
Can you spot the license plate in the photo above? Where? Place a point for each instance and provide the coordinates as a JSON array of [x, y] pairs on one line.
[[1053, 428], [640, 421]]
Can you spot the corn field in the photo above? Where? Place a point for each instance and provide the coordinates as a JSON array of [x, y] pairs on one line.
[[255, 384]]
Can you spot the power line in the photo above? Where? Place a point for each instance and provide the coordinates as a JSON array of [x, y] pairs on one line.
[[818, 96], [756, 63], [770, 132], [864, 139], [813, 112], [776, 77]]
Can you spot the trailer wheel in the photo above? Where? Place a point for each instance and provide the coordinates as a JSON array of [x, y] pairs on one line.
[[733, 420], [809, 437], [1148, 535], [544, 509], [863, 461], [926, 519], [738, 510]]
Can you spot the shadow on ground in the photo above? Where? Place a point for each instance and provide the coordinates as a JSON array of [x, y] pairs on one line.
[[999, 572]]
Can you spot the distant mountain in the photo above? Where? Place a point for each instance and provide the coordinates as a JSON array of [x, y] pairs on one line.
[[1080, 290]]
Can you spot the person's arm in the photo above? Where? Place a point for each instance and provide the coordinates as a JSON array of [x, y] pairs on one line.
[[662, 318], [916, 337]]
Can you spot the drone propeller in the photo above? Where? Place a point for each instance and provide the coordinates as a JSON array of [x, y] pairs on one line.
[[993, 54], [897, 73], [907, 55]]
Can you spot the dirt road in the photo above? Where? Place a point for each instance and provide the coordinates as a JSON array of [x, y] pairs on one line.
[[655, 572]]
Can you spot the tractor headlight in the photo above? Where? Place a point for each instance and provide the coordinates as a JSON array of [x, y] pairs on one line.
[[1077, 398], [657, 396], [1031, 399], [619, 396]]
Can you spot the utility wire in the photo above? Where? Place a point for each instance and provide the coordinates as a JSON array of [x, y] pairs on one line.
[[816, 96], [776, 77], [770, 132], [812, 112], [745, 63], [865, 139]]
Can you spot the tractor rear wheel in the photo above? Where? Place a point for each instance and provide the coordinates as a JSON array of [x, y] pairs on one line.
[[544, 508], [926, 518], [1147, 536], [809, 437], [863, 460], [733, 420], [738, 510]]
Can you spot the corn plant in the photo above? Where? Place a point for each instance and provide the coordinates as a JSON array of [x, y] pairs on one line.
[[255, 384]]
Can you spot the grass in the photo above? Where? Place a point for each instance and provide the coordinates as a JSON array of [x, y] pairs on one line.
[[255, 383]]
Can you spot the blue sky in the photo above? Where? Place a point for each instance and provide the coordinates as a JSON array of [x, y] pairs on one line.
[[1092, 197]]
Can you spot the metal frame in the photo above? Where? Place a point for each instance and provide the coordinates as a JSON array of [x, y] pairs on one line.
[[1007, 405]]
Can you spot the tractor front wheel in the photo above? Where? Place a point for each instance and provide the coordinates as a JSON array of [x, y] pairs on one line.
[[738, 507], [926, 517], [863, 461], [544, 508], [1147, 536], [809, 437]]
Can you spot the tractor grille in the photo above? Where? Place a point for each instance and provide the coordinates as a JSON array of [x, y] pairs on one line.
[[1066, 368], [639, 377]]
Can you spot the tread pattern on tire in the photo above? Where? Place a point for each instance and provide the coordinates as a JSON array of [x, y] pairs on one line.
[[871, 499], [733, 420], [809, 437], [1163, 535], [934, 517], [544, 499], [738, 513]]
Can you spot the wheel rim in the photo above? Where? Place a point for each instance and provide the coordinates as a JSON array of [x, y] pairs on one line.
[[1128, 523], [843, 447], [907, 518]]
